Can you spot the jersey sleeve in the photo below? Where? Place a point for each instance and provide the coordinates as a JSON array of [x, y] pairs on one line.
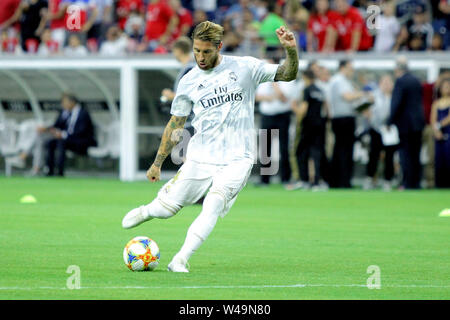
[[261, 70], [181, 104]]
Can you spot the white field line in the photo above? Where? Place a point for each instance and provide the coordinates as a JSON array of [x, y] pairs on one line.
[[236, 287]]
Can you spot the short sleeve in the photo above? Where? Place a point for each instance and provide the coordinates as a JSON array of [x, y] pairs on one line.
[[181, 104], [261, 70]]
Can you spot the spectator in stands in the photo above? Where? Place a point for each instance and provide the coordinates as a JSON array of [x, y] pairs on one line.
[[319, 28], [231, 39], [184, 20], [10, 44], [349, 29], [299, 25], [161, 23], [249, 33], [7, 10], [125, 8], [437, 44], [440, 121], [408, 115], [271, 22], [442, 22], [311, 114], [182, 50], [404, 9], [235, 13], [32, 16], [275, 100], [48, 46], [199, 16], [343, 99], [102, 21], [73, 130], [134, 29], [75, 47], [416, 34], [378, 115], [438, 18], [207, 6], [389, 28], [115, 43], [56, 16], [80, 17]]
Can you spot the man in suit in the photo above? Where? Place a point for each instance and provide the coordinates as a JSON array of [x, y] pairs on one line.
[[408, 115], [73, 130]]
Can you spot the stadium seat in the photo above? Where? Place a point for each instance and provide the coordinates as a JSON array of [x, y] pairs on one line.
[[108, 142]]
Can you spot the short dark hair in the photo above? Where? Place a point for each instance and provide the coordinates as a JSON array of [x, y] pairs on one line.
[[311, 63], [343, 63], [69, 95], [308, 73], [184, 44]]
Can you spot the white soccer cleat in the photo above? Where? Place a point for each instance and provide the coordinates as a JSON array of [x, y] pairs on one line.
[[177, 265], [134, 218]]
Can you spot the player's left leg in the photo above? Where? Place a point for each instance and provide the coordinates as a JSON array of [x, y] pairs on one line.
[[227, 183], [189, 184]]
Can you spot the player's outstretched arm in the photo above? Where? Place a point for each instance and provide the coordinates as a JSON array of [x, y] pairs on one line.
[[169, 140], [288, 70]]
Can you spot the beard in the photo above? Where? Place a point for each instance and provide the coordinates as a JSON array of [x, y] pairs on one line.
[[209, 65]]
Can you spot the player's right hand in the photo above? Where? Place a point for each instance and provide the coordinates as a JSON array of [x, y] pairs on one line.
[[153, 173]]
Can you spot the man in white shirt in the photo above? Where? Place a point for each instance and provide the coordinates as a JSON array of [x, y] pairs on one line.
[[275, 108], [344, 100], [221, 92]]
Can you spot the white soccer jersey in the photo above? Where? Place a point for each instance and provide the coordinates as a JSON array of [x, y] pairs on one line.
[[223, 101]]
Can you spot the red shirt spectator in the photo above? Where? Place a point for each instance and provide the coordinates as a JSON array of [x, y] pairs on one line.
[[346, 21], [7, 9], [9, 44], [159, 14], [125, 7], [184, 23], [318, 25], [54, 6]]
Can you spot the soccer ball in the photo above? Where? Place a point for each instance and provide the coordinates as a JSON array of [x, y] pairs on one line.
[[141, 254]]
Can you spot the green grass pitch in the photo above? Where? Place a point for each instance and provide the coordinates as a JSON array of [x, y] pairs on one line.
[[273, 244]]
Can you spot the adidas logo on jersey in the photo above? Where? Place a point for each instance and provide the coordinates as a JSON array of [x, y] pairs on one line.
[[200, 87]]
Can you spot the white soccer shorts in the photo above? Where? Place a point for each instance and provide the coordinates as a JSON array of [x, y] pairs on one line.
[[193, 180]]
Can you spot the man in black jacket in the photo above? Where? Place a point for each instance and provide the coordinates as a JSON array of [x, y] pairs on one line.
[[408, 115], [73, 130]]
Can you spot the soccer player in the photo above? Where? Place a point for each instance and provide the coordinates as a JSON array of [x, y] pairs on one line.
[[220, 156]]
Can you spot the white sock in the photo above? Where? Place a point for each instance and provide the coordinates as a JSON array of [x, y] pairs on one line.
[[202, 225], [156, 209]]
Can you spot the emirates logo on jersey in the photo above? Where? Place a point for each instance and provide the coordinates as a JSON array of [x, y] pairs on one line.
[[221, 96]]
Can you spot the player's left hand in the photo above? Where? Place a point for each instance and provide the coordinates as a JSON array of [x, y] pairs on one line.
[[286, 37]]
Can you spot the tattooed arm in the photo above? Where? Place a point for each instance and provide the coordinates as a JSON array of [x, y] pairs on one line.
[[288, 70], [169, 140]]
